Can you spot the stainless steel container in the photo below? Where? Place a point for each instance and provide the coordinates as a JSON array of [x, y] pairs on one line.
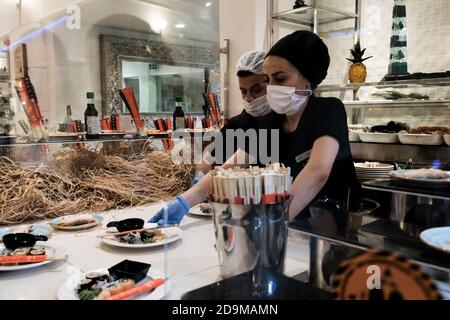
[[251, 237]]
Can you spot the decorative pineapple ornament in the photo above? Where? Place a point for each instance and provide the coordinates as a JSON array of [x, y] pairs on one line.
[[358, 71]]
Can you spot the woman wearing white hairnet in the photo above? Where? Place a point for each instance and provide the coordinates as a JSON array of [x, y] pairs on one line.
[[253, 87]]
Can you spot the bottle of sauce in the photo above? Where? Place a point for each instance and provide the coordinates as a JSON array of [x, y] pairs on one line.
[[91, 119], [68, 120], [115, 122], [178, 115]]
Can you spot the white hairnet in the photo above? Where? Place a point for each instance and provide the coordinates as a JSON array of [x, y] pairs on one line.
[[252, 61]]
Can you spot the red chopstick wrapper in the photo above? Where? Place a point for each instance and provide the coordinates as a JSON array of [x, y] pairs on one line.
[[129, 99]]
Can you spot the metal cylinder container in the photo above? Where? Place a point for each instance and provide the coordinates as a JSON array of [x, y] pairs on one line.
[[251, 237]]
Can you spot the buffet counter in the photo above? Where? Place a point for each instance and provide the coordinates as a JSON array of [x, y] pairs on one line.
[[190, 263], [336, 237]]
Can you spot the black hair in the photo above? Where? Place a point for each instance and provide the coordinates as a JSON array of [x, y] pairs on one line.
[[245, 74]]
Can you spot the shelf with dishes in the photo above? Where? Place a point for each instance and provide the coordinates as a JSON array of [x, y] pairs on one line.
[[392, 94], [399, 133], [397, 103], [436, 82]]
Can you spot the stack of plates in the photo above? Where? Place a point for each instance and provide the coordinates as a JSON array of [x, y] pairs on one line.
[[365, 172]]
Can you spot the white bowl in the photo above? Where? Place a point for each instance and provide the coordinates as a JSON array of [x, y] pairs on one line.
[[353, 136], [372, 137], [447, 139], [421, 139]]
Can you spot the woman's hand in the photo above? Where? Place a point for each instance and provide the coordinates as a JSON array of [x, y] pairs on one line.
[[315, 174], [172, 213]]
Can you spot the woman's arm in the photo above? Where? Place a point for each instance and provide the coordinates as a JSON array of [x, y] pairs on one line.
[[315, 174], [198, 193]]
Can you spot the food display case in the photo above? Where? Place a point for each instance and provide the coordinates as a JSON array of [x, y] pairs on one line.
[[397, 120]]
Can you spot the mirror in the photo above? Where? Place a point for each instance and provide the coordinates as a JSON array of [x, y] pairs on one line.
[[156, 85]]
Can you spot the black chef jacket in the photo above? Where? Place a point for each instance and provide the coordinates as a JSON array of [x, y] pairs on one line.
[[321, 117], [242, 121]]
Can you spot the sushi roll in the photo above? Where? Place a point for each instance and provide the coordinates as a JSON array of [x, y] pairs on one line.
[[128, 284], [37, 251], [21, 252], [115, 288], [96, 276], [85, 284]]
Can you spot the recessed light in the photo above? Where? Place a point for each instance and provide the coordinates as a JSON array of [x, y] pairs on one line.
[[208, 4], [180, 26], [160, 24]]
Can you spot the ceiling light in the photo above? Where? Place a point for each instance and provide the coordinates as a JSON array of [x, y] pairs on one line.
[[208, 4], [160, 25], [180, 26]]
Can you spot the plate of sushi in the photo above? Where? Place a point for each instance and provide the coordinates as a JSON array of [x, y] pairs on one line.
[[35, 229], [128, 280], [428, 177], [143, 238], [75, 223], [21, 251], [202, 210]]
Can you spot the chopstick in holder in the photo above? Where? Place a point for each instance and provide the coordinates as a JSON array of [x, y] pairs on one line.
[[242, 190], [251, 186], [257, 192], [138, 290]]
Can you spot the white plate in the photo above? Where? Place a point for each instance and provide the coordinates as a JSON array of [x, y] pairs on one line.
[[50, 249], [54, 222], [374, 177], [172, 234], [146, 226], [374, 171], [421, 139], [371, 137], [387, 168], [438, 238], [68, 290], [353, 136], [447, 139], [36, 229], [399, 175], [197, 212], [381, 166]]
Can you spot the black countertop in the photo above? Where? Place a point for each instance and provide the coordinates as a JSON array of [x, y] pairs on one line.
[[366, 232], [258, 285], [387, 185]]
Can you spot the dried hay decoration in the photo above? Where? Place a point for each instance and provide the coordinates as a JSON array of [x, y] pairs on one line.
[[88, 181]]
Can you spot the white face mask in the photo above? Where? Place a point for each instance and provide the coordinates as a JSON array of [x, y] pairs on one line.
[[285, 100], [257, 107]]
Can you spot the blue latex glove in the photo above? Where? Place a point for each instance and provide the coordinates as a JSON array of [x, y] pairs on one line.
[[174, 212], [197, 177]]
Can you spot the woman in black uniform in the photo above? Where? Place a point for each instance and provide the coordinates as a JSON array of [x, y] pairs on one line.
[[314, 134], [253, 85]]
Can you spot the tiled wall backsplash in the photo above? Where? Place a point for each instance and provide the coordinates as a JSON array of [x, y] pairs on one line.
[[428, 25]]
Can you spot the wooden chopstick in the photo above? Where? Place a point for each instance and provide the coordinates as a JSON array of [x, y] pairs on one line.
[[118, 234]]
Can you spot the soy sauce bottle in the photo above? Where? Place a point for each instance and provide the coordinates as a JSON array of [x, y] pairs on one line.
[[178, 115], [91, 119], [114, 118]]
